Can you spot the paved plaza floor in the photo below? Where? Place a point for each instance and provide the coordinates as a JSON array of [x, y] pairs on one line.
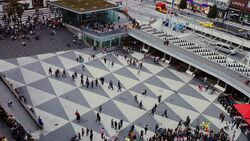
[[57, 99]]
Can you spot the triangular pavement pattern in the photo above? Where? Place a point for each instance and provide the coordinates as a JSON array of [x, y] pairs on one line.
[[75, 96], [54, 107], [157, 82], [183, 76], [79, 70], [147, 102], [60, 87], [187, 90], [183, 112], [67, 63], [54, 61], [175, 99], [99, 90], [43, 85], [111, 109], [153, 68], [46, 67], [140, 87], [69, 55], [71, 107], [172, 84], [30, 76], [25, 60], [111, 57], [125, 72], [6, 66], [165, 93], [214, 111], [142, 76], [109, 77], [38, 97], [168, 74], [126, 98], [146, 119], [199, 104], [35, 67], [127, 82], [132, 114], [143, 70], [94, 100], [45, 56], [96, 72], [88, 120], [64, 133], [97, 64], [203, 119], [51, 121], [12, 61], [216, 122], [15, 74], [171, 113]]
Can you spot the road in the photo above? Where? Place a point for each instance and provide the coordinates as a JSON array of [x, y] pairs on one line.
[[145, 11]]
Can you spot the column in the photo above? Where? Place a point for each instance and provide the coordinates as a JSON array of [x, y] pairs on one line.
[[119, 41], [110, 42], [100, 44]]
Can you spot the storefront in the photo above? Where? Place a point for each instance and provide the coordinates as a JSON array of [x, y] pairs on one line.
[[198, 6], [239, 11]]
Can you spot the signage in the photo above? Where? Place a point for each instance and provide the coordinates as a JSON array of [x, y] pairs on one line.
[[240, 4]]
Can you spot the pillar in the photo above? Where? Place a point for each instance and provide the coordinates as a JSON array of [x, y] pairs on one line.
[[119, 41], [100, 44], [110, 42]]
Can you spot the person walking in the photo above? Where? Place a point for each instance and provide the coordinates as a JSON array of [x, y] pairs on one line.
[[79, 135], [10, 103], [135, 99], [112, 123], [119, 86], [152, 111], [64, 73], [92, 84], [40, 121], [77, 114], [115, 125], [146, 129], [87, 132], [141, 135], [98, 117], [91, 135], [102, 131], [73, 77], [165, 113], [140, 105], [102, 80], [121, 122], [159, 98], [156, 127], [144, 92], [96, 82], [50, 71], [82, 82], [83, 132], [110, 85]]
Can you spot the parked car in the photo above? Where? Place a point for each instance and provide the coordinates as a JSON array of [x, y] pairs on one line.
[[222, 47], [207, 24]]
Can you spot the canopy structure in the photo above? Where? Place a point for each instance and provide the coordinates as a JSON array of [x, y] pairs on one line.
[[248, 121], [83, 6], [244, 110]]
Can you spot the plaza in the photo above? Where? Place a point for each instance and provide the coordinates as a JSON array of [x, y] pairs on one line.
[[117, 81]]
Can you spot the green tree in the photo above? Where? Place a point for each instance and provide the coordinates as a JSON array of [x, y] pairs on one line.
[[14, 8], [213, 12], [183, 4]]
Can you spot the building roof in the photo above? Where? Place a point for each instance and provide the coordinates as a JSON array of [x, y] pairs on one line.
[[84, 6]]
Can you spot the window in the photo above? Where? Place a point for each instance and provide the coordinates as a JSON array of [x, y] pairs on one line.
[[248, 4]]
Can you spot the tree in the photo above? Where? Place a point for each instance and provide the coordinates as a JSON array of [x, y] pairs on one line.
[[213, 12], [183, 4], [14, 8]]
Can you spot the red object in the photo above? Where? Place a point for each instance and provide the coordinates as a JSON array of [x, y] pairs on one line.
[[160, 4], [244, 110], [248, 121]]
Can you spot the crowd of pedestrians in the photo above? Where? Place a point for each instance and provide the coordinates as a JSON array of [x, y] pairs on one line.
[[16, 129]]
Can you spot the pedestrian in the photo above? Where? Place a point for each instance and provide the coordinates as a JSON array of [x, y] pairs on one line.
[[119, 88], [112, 123], [132, 127], [50, 71], [159, 98], [82, 82], [112, 63], [119, 126], [144, 92], [91, 135], [156, 127], [83, 67], [102, 132], [77, 114], [92, 84], [87, 132], [140, 105], [73, 77], [152, 111], [83, 132], [9, 103], [135, 99], [141, 135], [100, 109], [165, 113], [64, 73], [96, 82], [79, 135], [102, 80], [121, 122], [110, 85], [221, 117], [115, 125], [146, 129], [155, 106], [40, 121], [98, 117], [139, 70], [75, 74], [82, 76]]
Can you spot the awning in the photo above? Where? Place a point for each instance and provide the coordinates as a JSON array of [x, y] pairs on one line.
[[244, 110], [248, 121]]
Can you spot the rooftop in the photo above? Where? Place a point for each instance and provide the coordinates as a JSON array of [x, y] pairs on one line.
[[84, 6]]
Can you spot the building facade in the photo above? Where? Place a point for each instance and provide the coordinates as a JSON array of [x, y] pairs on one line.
[[239, 11]]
